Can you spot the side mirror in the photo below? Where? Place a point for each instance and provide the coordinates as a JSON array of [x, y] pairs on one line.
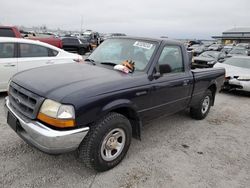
[[165, 68]]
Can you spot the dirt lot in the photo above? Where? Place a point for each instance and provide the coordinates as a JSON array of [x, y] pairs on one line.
[[176, 151]]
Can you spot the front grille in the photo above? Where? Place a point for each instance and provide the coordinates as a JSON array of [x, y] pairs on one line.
[[24, 101]]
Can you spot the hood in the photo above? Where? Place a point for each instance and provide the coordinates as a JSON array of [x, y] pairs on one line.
[[206, 59], [58, 81], [233, 70]]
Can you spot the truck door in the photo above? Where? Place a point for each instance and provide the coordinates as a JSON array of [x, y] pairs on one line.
[[172, 91], [8, 63], [32, 56]]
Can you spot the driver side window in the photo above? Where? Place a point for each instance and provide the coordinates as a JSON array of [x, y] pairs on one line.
[[172, 56]]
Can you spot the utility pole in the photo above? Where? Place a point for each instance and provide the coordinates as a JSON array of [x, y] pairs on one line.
[[81, 23]]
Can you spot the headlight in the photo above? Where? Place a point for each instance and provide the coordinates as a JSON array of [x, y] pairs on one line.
[[211, 62], [56, 114], [8, 86], [244, 78]]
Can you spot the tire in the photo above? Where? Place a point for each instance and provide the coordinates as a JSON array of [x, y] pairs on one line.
[[200, 111], [94, 150], [81, 51], [89, 48]]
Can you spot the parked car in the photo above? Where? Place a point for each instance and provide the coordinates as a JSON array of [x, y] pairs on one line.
[[207, 43], [215, 47], [11, 31], [193, 42], [49, 40], [190, 48], [97, 109], [198, 50], [238, 51], [17, 54], [92, 37], [208, 59], [237, 73], [76, 45], [244, 45], [227, 48]]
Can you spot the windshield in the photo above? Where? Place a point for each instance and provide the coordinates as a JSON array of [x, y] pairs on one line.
[[239, 62], [116, 51]]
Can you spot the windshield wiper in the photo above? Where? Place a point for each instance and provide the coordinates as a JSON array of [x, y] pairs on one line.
[[108, 63], [91, 61], [210, 55]]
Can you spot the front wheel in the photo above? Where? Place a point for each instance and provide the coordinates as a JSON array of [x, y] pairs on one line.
[[107, 142], [201, 110]]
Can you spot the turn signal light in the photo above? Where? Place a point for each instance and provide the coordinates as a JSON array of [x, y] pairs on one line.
[[60, 123]]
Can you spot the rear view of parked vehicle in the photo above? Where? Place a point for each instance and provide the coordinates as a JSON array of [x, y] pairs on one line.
[[18, 54], [75, 45]]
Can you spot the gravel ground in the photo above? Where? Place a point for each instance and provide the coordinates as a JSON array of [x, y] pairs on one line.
[[175, 151]]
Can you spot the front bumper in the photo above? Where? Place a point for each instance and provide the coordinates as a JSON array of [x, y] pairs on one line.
[[239, 84], [44, 138]]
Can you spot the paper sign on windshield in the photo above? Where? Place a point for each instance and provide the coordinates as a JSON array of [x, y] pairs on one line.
[[144, 45]]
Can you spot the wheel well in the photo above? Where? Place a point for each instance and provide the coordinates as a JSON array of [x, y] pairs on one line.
[[213, 89], [133, 118]]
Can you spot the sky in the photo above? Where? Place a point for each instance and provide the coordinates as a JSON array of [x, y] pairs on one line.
[[148, 18]]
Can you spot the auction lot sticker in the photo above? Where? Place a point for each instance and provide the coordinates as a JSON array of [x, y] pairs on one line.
[[144, 45]]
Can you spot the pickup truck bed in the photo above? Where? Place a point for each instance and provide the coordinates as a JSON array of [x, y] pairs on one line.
[[96, 108]]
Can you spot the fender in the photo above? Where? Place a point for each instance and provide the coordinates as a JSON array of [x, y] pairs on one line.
[[119, 103], [128, 109]]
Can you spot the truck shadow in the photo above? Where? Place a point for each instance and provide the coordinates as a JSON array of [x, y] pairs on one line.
[[237, 93], [3, 94]]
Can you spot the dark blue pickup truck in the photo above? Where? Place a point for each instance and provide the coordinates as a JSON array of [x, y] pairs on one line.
[[95, 109]]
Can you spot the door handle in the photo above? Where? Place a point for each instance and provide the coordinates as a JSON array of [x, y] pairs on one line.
[[141, 93], [50, 62], [185, 82], [10, 65]]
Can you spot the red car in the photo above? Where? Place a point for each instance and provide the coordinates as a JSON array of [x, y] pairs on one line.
[[11, 31]]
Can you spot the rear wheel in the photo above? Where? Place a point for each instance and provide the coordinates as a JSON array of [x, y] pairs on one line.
[[202, 109], [106, 143]]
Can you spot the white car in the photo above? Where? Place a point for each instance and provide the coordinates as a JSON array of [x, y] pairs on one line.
[[18, 54], [237, 73]]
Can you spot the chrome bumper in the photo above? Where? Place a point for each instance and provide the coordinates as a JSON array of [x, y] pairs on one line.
[[44, 138]]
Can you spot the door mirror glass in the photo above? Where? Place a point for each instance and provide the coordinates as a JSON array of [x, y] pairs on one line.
[[164, 68]]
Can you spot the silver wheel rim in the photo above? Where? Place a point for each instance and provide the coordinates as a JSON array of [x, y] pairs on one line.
[[205, 104], [113, 144]]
